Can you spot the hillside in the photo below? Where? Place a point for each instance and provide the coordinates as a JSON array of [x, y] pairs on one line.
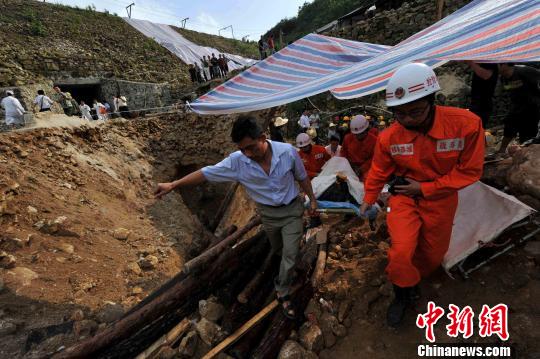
[[42, 41], [231, 46], [312, 16]]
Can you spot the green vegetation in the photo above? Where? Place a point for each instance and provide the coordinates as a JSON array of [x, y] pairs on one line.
[[247, 49], [312, 16], [35, 24]]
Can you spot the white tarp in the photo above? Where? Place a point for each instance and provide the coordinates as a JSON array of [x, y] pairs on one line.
[[327, 177], [186, 50], [483, 212]]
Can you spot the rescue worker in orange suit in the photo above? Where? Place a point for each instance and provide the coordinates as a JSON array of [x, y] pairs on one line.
[[435, 151], [313, 156], [359, 145]]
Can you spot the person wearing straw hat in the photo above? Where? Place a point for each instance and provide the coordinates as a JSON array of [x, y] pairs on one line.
[[276, 126], [332, 132], [359, 145]]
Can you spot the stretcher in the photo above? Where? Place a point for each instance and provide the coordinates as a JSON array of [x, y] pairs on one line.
[[483, 214]]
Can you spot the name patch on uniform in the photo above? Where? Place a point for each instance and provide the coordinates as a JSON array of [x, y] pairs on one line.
[[404, 149], [318, 156], [451, 144]]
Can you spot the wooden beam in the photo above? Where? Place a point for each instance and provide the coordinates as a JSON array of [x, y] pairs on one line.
[[168, 339], [214, 251], [242, 330]]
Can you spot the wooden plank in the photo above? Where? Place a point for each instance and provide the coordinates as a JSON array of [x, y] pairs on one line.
[[167, 339], [242, 330]]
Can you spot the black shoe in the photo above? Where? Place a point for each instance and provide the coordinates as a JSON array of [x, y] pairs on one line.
[[396, 310]]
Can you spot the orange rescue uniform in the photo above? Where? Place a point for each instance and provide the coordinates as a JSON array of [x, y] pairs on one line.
[[314, 159], [450, 156], [360, 153]]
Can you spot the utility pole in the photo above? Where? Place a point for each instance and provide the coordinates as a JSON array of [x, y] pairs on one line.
[[226, 27], [128, 9], [183, 21]]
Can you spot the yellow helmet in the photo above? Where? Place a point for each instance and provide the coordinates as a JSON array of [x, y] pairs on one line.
[[381, 118], [345, 125], [382, 123], [346, 118]]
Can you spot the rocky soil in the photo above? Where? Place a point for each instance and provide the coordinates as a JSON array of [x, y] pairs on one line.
[[80, 230]]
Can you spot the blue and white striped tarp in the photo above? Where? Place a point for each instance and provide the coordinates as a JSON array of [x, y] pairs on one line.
[[484, 31]]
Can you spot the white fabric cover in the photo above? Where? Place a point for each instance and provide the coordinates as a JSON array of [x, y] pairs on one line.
[[327, 177], [186, 50], [483, 213]]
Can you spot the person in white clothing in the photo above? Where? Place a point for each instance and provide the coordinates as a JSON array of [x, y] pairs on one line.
[[14, 111], [334, 148], [315, 119], [43, 102], [85, 111], [304, 121]]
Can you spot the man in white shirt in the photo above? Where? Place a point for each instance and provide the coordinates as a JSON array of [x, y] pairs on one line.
[[334, 148], [14, 110], [315, 119], [85, 111], [43, 102], [304, 121]]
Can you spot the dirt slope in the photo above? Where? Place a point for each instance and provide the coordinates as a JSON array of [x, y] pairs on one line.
[[78, 222]]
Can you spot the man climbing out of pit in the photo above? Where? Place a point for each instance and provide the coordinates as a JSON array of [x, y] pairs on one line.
[[268, 171], [359, 145], [523, 83], [433, 151], [313, 156]]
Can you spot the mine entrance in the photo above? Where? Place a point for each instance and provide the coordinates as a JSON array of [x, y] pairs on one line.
[[83, 92]]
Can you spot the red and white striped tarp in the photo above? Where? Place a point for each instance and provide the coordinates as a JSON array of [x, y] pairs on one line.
[[484, 31]]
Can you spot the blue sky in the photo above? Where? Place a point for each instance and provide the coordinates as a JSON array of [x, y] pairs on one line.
[[248, 17]]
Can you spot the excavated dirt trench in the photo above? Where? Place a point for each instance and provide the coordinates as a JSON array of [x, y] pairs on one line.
[[81, 236]]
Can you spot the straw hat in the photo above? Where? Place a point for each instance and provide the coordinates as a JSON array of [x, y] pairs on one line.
[[279, 121]]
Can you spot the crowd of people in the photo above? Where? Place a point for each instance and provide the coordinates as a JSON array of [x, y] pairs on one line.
[[210, 68], [99, 110]]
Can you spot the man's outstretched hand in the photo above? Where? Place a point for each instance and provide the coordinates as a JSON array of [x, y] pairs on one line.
[[162, 189]]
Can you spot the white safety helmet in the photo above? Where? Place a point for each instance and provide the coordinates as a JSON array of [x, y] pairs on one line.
[[359, 124], [409, 83], [302, 140], [9, 92]]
